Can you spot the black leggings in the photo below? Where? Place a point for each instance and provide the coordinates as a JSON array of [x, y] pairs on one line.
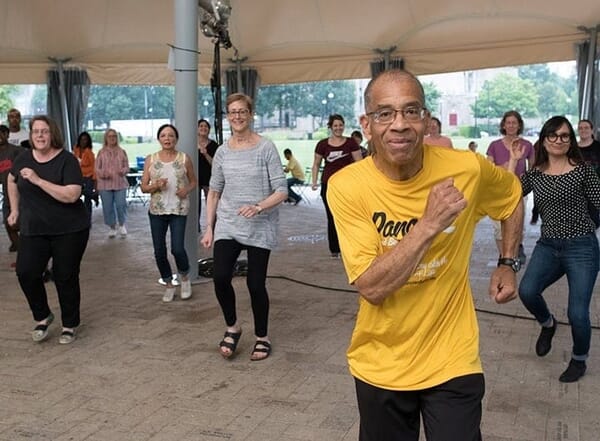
[[332, 236], [226, 253], [66, 251]]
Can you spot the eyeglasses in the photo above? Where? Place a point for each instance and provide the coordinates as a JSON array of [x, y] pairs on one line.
[[387, 116], [241, 112], [553, 137], [40, 131]]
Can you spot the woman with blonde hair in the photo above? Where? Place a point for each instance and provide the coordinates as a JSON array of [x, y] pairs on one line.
[[112, 166], [246, 187]]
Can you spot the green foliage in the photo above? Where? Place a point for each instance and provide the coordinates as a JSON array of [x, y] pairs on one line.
[[108, 103], [432, 96], [556, 95], [469, 132], [506, 92], [39, 99], [319, 99], [6, 101]]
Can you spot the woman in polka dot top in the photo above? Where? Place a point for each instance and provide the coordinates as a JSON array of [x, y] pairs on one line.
[[562, 184]]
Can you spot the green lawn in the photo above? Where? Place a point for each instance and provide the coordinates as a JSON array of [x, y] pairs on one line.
[[303, 149]]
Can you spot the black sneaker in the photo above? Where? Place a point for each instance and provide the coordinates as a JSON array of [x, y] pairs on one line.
[[544, 341], [574, 372]]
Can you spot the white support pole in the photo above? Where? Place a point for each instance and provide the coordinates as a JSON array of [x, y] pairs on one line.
[[186, 109]]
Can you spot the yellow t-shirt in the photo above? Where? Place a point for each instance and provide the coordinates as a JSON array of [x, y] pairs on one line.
[[425, 333], [294, 168]]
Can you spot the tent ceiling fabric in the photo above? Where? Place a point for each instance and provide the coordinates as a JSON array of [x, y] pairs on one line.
[[126, 41]]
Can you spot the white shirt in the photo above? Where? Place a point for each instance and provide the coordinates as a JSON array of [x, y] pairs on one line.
[[17, 137]]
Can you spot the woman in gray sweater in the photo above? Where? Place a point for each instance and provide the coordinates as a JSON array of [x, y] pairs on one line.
[[246, 187]]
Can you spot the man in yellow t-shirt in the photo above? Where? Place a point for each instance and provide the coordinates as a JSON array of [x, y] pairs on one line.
[[293, 167], [406, 217]]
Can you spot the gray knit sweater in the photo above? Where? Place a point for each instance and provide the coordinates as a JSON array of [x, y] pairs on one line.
[[246, 177]]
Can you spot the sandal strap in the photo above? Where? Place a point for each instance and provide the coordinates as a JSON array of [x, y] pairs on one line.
[[266, 346], [235, 336], [69, 333]]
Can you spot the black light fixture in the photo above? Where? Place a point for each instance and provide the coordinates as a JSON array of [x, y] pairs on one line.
[[214, 20]]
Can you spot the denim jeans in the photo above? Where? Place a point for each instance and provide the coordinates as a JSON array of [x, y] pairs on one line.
[[291, 193], [114, 206], [578, 258], [159, 224]]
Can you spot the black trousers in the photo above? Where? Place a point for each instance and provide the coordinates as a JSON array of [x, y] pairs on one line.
[[451, 411], [225, 255], [66, 251], [332, 236]]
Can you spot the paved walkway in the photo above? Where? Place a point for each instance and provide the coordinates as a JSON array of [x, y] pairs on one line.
[[144, 370]]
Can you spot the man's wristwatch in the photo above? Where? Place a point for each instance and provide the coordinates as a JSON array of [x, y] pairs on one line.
[[515, 264]]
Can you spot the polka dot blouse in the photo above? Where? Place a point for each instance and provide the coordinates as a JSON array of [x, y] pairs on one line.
[[562, 200]]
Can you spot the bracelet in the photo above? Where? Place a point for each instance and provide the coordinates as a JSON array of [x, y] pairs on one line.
[[259, 209]]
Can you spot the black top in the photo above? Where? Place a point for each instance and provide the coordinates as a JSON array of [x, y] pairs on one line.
[[563, 200], [204, 167], [591, 155], [40, 213]]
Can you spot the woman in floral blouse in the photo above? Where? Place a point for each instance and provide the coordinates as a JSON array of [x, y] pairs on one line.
[[169, 178]]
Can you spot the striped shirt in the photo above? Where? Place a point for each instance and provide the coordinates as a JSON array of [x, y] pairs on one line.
[[112, 167]]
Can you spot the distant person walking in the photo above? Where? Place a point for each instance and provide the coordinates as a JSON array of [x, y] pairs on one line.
[[337, 151], [590, 150], [206, 151], [17, 134], [112, 166], [434, 135], [87, 161], [511, 127], [8, 154]]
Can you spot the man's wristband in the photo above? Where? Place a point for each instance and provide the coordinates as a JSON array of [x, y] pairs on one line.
[[515, 264]]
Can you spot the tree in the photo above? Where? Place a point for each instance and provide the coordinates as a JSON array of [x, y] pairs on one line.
[[6, 101], [556, 95], [130, 102], [432, 96], [39, 99], [318, 99], [506, 92]]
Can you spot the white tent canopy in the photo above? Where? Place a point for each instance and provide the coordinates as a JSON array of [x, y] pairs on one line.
[[126, 41]]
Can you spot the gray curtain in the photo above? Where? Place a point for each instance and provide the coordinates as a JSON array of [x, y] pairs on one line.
[[583, 61], [249, 82], [380, 65], [582, 50], [77, 90]]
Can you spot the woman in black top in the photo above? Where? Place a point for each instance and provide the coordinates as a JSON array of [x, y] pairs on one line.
[[562, 184], [590, 149], [44, 187], [206, 151]]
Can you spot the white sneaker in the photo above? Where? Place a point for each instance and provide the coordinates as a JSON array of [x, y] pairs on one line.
[[123, 231], [112, 232], [186, 289], [169, 294], [174, 281]]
